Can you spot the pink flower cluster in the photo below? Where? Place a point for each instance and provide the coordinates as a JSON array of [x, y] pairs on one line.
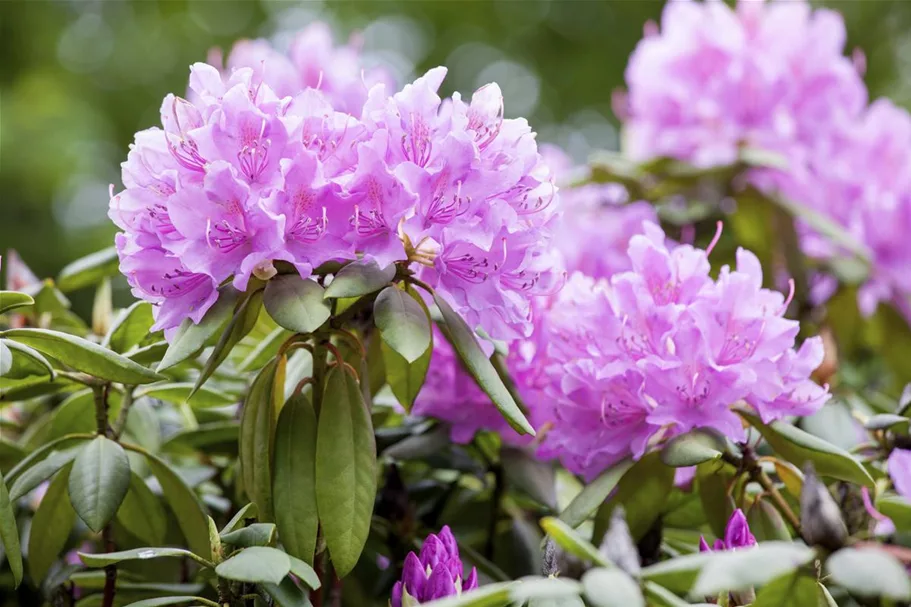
[[302, 159], [769, 75], [660, 350]]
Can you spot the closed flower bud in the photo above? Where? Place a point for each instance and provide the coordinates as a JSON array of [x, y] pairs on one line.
[[820, 518], [435, 574]]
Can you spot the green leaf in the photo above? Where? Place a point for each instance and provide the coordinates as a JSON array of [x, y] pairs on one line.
[[142, 513], [237, 521], [99, 481], [168, 600], [103, 308], [220, 437], [345, 469], [295, 477], [404, 379], [296, 303], [529, 474], [402, 322], [9, 534], [150, 354], [480, 367], [491, 595], [798, 447], [715, 482], [10, 300], [257, 534], [593, 494], [136, 554], [40, 472], [241, 323], [76, 414], [572, 542], [611, 588], [42, 452], [51, 526], [742, 569], [869, 572], [793, 590], [186, 506], [888, 421], [287, 594], [823, 597], [304, 572], [83, 355], [190, 338], [659, 596], [265, 350], [360, 278], [18, 361], [677, 574], [693, 448], [256, 565], [257, 425], [179, 394], [896, 508], [132, 326], [766, 523], [559, 591], [88, 270], [643, 491]]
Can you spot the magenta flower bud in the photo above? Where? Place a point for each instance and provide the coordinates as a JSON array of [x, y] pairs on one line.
[[737, 535], [435, 574]]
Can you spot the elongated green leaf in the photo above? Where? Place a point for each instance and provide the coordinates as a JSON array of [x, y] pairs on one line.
[[168, 600], [888, 421], [51, 526], [869, 572], [823, 597], [798, 447], [404, 379], [611, 588], [179, 393], [296, 303], [792, 590], [570, 541], [643, 492], [99, 481], [766, 522], [190, 338], [295, 478], [345, 470], [360, 278], [287, 594], [402, 322], [83, 355], [896, 508], [42, 452], [529, 474], [264, 350], [677, 574], [237, 521], [137, 554], [88, 270], [10, 300], [304, 572], [186, 506], [593, 495], [9, 534], [76, 414], [257, 425], [150, 354], [217, 437], [41, 471], [18, 361], [480, 367], [241, 323], [256, 565], [142, 512], [547, 591], [693, 448], [257, 534], [742, 569], [658, 596], [491, 595], [131, 327], [715, 481]]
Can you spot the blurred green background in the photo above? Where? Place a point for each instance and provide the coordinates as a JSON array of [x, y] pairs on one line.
[[78, 78]]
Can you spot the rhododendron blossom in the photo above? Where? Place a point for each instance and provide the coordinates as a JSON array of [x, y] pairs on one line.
[[662, 349], [295, 159], [435, 574], [737, 535], [766, 74]]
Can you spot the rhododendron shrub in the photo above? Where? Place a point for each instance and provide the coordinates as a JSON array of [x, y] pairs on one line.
[[388, 349]]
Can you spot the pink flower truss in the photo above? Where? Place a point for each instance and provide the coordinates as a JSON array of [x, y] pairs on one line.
[[436, 573], [660, 350], [304, 159], [768, 74]]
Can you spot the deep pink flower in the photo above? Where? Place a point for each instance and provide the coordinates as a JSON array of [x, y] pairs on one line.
[[436, 573], [899, 466], [737, 535]]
